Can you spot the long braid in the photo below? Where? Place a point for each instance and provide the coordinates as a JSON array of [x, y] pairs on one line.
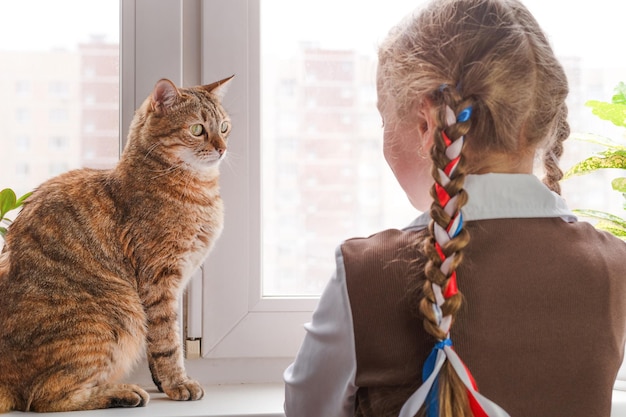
[[552, 155], [443, 246], [448, 389]]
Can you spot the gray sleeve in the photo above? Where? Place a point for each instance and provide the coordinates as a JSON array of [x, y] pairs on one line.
[[321, 381]]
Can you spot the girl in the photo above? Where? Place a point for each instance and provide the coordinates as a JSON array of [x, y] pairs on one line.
[[534, 303]]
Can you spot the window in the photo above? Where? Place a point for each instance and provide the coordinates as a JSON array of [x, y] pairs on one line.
[[325, 70], [22, 115], [58, 116], [59, 89], [56, 168], [22, 88], [296, 101], [22, 170], [58, 143], [330, 136], [42, 55], [22, 143]]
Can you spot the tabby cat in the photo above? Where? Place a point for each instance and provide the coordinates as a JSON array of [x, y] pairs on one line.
[[93, 266]]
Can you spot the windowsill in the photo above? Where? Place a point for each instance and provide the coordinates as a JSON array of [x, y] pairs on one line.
[[244, 400], [618, 408]]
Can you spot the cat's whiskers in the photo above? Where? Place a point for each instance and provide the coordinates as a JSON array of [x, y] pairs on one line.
[[228, 160], [173, 169], [153, 147]]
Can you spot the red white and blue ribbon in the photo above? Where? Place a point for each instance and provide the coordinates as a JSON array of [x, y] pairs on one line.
[[443, 235], [480, 405], [428, 391]]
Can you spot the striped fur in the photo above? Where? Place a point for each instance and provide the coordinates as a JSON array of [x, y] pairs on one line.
[[93, 266]]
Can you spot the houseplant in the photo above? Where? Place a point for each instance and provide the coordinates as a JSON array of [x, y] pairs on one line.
[[613, 156], [8, 202]]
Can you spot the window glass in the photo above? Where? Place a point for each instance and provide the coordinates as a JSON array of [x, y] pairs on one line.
[[59, 74], [324, 176]]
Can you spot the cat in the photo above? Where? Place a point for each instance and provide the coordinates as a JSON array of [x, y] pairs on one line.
[[94, 264]]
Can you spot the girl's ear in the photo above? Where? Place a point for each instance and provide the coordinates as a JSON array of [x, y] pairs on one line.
[[164, 95], [219, 87], [427, 121]]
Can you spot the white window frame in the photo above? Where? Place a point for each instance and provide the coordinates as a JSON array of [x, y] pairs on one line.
[[245, 337]]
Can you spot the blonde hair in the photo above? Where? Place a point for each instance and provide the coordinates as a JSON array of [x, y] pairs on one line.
[[491, 57]]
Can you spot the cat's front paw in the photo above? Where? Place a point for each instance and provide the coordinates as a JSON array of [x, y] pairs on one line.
[[188, 390]]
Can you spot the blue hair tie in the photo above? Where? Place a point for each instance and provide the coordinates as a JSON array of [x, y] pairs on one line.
[[443, 343], [465, 114]]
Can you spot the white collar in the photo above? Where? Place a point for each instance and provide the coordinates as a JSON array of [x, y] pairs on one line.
[[506, 196]]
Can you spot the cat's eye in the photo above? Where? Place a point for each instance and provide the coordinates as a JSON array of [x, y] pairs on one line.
[[196, 129], [224, 126]]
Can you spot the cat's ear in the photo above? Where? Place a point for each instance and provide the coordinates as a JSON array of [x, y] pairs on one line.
[[164, 95], [219, 87]]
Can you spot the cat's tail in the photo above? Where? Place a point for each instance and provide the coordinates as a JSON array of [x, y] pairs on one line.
[[6, 401]]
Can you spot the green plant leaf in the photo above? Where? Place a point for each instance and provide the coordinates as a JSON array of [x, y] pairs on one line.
[[615, 113], [7, 201], [620, 94], [608, 159], [603, 216], [3, 231], [20, 200], [610, 227], [619, 184], [598, 140]]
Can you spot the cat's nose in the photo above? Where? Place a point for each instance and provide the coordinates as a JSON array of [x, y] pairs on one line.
[[221, 151]]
